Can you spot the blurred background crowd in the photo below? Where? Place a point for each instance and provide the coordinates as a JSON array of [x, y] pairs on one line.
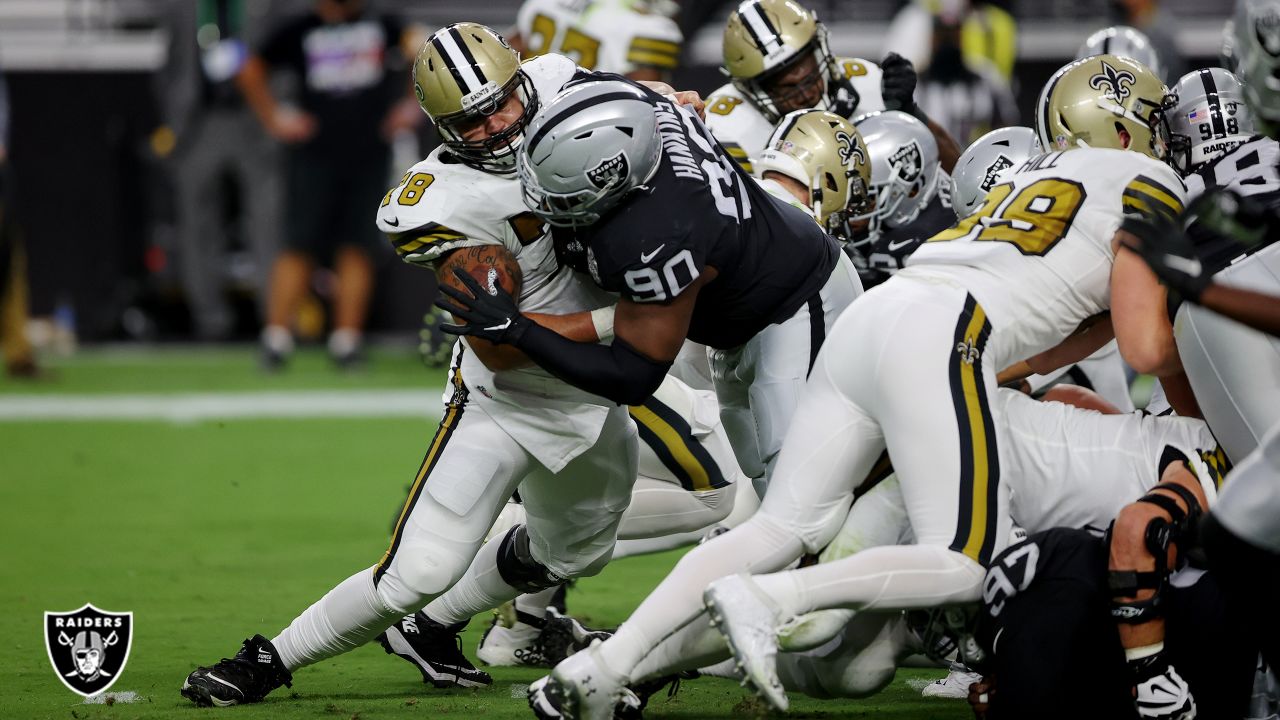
[[208, 170]]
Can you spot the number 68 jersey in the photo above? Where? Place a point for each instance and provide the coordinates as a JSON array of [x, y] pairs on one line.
[[1037, 253]]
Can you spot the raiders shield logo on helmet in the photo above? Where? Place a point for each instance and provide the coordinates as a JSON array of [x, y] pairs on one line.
[[88, 647], [609, 172], [993, 170], [907, 162]]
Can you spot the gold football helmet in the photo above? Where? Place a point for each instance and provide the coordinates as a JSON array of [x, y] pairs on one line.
[[1104, 101], [464, 73], [764, 39], [826, 153]]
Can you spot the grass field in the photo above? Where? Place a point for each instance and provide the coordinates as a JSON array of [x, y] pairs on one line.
[[212, 531]]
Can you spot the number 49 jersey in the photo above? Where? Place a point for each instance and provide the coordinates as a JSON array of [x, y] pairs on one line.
[[1037, 253], [700, 209]]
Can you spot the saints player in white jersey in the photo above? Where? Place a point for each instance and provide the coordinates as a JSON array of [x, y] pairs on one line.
[[1038, 261], [777, 60], [616, 36], [506, 425]]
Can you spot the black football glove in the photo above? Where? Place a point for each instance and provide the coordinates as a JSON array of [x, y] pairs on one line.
[[1241, 219], [489, 314], [898, 84], [1165, 247]]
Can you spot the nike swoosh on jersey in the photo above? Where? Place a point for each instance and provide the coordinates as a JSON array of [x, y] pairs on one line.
[[646, 257], [393, 221], [900, 244]]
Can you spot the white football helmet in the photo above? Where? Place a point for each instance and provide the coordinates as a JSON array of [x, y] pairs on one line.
[[1205, 116], [904, 169], [586, 149], [986, 161], [1123, 41]]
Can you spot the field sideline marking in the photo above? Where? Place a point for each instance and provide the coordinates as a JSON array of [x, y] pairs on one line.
[[197, 407]]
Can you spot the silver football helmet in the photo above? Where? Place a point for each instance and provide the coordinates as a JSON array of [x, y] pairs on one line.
[[587, 149], [986, 161], [1257, 52], [1123, 41], [1205, 116], [904, 169]]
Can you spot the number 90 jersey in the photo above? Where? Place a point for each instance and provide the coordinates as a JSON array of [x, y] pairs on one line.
[[601, 35], [700, 209], [1037, 253]]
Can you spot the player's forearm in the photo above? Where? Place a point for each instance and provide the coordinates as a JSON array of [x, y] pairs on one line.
[[577, 327], [1087, 340], [616, 371], [252, 82], [1258, 311]]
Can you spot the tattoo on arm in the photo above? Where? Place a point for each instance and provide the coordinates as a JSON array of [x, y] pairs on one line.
[[477, 262]]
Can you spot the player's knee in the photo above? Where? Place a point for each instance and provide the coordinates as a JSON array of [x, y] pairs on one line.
[[418, 575]]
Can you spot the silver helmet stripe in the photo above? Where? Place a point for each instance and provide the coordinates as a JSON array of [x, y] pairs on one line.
[[758, 24], [459, 60]]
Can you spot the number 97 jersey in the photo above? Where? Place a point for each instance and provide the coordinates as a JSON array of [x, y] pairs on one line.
[[1037, 253]]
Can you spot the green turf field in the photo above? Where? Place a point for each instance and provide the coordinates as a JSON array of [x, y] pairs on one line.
[[212, 531]]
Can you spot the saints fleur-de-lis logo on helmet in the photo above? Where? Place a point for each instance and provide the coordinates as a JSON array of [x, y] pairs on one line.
[[1115, 83], [850, 149]]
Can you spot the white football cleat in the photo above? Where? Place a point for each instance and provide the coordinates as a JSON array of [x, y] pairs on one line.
[[955, 686], [517, 645], [582, 687], [748, 620]]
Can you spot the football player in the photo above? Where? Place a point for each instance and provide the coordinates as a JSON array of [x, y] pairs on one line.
[[777, 60], [615, 36], [911, 195], [506, 424], [1016, 279], [1123, 41]]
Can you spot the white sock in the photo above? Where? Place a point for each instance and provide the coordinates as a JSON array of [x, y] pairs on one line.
[[532, 607], [347, 617], [895, 577], [480, 589], [759, 545], [277, 338], [344, 341]]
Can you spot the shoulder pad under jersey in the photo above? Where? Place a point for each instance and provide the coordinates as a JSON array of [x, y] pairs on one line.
[[864, 76], [737, 124], [439, 206]]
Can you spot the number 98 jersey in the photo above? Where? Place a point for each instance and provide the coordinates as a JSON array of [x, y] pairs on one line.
[[1037, 253], [700, 209]]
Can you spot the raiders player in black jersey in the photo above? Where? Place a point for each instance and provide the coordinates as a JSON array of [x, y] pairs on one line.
[[647, 202], [1051, 649]]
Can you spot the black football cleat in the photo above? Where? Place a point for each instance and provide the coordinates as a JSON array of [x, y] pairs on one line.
[[563, 636], [435, 650], [246, 678]]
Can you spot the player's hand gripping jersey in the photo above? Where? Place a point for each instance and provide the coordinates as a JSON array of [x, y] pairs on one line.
[[601, 35], [1037, 253], [700, 209], [442, 205], [744, 130]]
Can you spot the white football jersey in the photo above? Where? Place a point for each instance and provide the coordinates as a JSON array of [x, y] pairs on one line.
[[743, 130], [601, 35], [1037, 254], [441, 205]]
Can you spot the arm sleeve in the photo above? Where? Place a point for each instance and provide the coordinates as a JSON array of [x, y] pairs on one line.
[[616, 371]]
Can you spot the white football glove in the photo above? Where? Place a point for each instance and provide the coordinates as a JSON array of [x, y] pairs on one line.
[[1165, 696]]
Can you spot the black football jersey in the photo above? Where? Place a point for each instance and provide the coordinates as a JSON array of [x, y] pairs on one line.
[[700, 209], [889, 252], [1251, 169]]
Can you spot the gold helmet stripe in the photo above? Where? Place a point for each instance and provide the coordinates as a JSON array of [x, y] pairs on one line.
[[759, 26], [458, 58]]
